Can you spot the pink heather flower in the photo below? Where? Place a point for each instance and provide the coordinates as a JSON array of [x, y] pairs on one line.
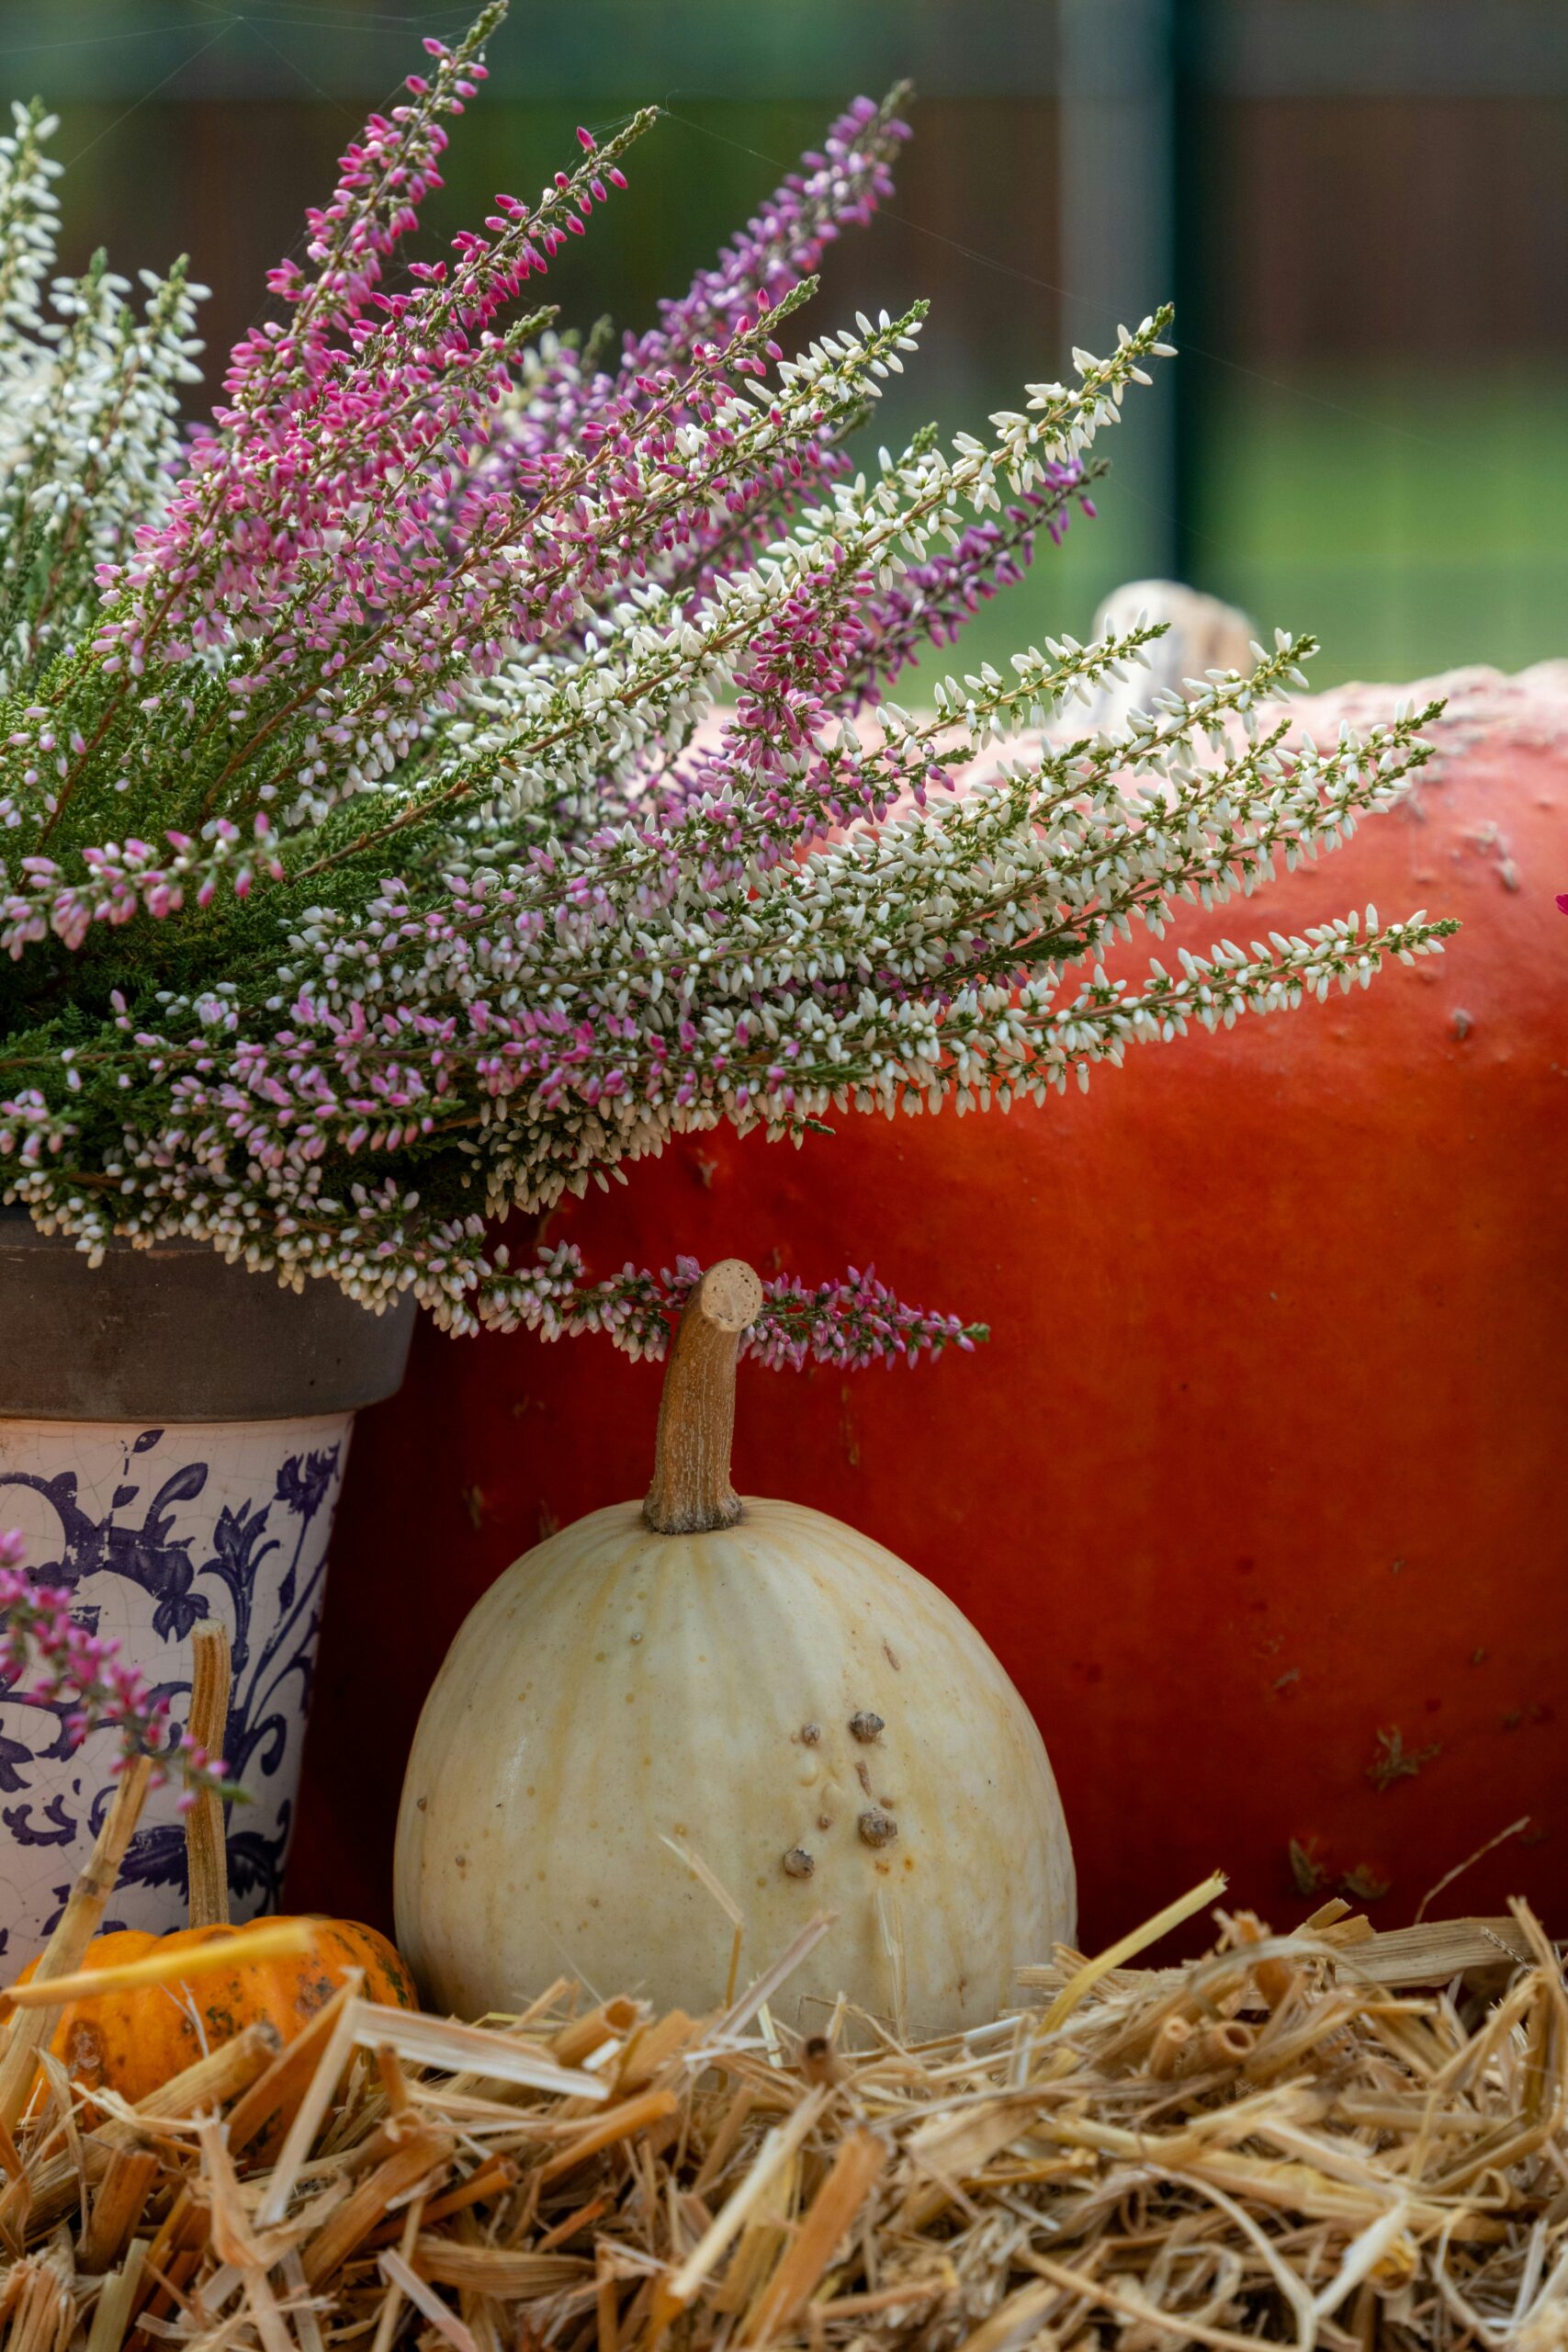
[[481, 713], [855, 1322], [83, 1674]]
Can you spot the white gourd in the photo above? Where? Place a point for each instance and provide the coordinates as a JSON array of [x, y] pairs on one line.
[[751, 1683]]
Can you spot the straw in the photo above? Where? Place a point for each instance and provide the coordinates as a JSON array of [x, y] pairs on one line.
[[1327, 2138]]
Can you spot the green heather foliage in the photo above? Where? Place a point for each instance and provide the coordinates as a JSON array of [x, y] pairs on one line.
[[369, 868]]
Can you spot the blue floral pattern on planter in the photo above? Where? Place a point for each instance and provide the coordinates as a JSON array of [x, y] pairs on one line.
[[154, 1532]]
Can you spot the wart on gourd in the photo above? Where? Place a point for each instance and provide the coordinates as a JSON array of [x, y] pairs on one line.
[[769, 1621]]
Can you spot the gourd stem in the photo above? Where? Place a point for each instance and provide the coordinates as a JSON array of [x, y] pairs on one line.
[[691, 1494], [207, 1853]]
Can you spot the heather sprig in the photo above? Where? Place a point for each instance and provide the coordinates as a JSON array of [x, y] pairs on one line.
[[472, 760], [852, 1323], [560, 399], [50, 1660], [29, 213], [91, 401]]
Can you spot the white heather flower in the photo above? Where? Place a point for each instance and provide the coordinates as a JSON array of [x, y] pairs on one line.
[[470, 747]]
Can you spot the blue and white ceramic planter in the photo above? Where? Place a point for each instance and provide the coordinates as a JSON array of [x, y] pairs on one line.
[[160, 1521], [155, 1532]]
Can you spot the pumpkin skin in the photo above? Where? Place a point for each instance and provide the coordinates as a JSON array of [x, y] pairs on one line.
[[1264, 1455], [618, 1687], [134, 2041]]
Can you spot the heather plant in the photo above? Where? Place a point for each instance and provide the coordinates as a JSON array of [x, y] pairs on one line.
[[471, 759], [49, 1659]]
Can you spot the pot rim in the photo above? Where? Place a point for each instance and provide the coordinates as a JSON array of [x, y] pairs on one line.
[[172, 1332]]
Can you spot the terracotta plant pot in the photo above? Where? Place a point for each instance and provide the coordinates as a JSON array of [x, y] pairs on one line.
[[173, 1435]]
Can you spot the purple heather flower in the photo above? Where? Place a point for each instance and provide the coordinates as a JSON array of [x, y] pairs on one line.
[[475, 715], [83, 1675]]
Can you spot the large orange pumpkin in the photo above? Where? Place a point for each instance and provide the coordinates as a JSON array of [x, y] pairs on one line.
[[136, 2040], [1258, 1489]]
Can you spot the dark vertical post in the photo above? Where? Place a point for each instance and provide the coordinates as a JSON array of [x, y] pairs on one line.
[[1194, 262], [1117, 80]]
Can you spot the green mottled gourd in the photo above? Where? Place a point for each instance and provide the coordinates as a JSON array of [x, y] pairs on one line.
[[751, 1684]]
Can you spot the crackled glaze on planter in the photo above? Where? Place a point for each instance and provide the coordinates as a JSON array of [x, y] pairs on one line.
[[155, 1530]]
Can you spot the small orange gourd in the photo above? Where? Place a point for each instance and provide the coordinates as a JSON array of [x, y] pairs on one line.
[[135, 2039]]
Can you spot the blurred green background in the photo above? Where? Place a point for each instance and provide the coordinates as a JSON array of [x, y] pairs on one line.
[[1358, 206]]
